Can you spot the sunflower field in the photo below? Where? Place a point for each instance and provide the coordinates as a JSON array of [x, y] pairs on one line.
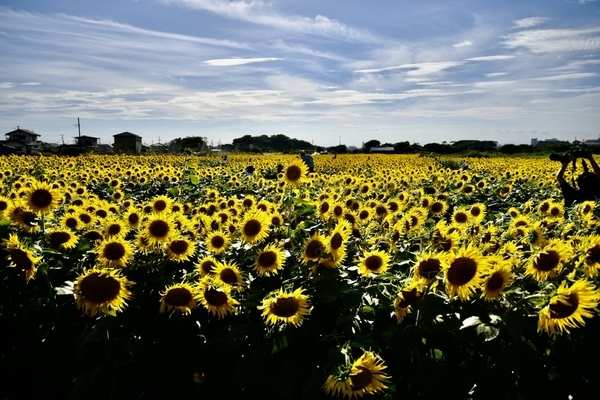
[[376, 276]]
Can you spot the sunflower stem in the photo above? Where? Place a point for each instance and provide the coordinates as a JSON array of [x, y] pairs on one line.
[[51, 292]]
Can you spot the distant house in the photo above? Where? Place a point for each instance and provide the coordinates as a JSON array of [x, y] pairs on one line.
[[176, 146], [545, 142], [127, 142], [389, 149], [86, 141], [591, 142], [23, 141]]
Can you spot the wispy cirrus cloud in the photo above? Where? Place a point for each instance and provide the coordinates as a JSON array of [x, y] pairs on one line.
[[228, 62], [555, 40], [465, 43], [528, 22], [568, 76], [259, 12], [416, 69]]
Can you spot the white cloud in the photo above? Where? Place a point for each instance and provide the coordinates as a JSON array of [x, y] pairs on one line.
[[495, 74], [528, 22], [6, 85], [463, 44], [227, 62], [30, 84], [416, 69], [568, 76], [555, 40], [493, 83], [491, 58], [259, 12]]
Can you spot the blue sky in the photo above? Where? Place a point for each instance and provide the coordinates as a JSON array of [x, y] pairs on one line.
[[325, 71]]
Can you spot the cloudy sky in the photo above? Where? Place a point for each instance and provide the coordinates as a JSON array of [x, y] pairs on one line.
[[325, 71]]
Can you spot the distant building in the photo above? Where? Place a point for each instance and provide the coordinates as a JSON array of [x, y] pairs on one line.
[[23, 141], [591, 142], [86, 141], [127, 142], [380, 149], [545, 142]]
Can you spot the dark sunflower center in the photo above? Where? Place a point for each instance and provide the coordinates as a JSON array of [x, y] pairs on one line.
[[158, 228], [437, 207], [85, 218], [546, 261], [373, 263], [41, 198], [338, 210], [381, 210], [133, 218], [114, 251], [393, 206], [407, 297], [324, 207], [58, 238], [586, 209], [476, 211], [160, 205], [217, 241], [293, 173], [461, 271], [247, 203], [99, 289], [544, 207], [314, 249], [564, 309], [428, 268], [102, 213], [461, 218], [93, 236], [207, 267], [362, 379], [446, 244], [252, 228], [179, 247], [114, 229], [29, 218], [21, 259], [495, 282], [215, 297], [3, 205], [285, 307], [267, 259], [179, 297], [593, 255], [228, 276], [336, 241]]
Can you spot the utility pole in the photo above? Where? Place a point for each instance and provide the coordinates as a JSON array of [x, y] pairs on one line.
[[79, 129]]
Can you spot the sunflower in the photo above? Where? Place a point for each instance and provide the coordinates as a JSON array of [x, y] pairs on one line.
[[21, 257], [314, 248], [70, 221], [228, 273], [42, 197], [206, 265], [373, 262], [336, 240], [255, 226], [161, 204], [438, 207], [285, 307], [549, 261], [499, 277], [101, 290], [64, 239], [477, 212], [114, 252], [568, 307], [586, 210], [427, 266], [295, 172], [404, 300], [216, 297], [269, 260], [589, 248], [364, 376], [4, 204], [464, 271], [180, 249], [180, 296], [159, 229], [114, 228], [217, 242], [461, 216]]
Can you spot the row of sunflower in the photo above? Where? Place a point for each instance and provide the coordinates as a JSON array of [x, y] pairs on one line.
[[376, 275]]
